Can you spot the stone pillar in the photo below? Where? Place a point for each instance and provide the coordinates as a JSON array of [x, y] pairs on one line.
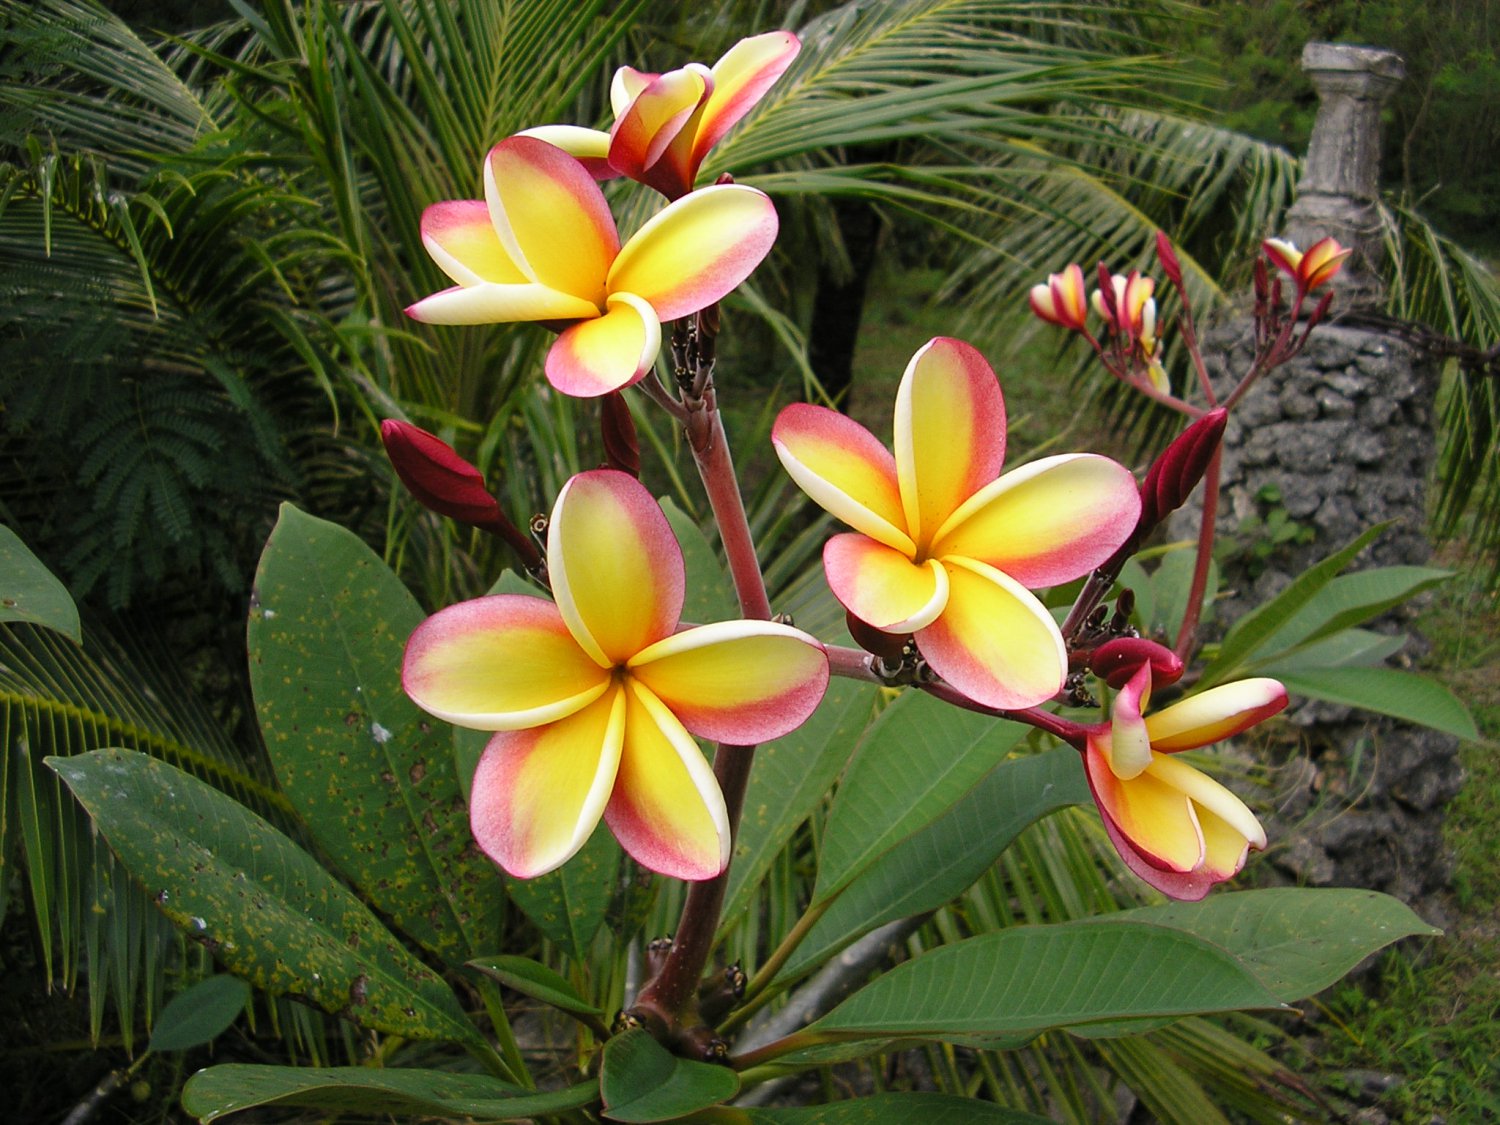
[[1340, 184]]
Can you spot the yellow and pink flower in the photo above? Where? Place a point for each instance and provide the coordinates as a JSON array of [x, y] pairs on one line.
[[1311, 269], [1176, 827], [542, 246], [944, 547], [1063, 300], [666, 123], [596, 698]]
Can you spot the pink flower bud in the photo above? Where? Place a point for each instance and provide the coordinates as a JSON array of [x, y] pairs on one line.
[[438, 477], [1061, 300], [1116, 662], [621, 448], [1167, 256], [1177, 471]]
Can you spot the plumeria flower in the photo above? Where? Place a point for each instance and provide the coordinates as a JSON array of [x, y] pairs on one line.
[[1131, 295], [945, 547], [1312, 269], [1174, 826], [1063, 300], [542, 246], [596, 698], [666, 123]]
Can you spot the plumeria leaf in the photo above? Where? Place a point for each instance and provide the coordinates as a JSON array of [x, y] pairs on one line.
[[30, 592], [642, 1081], [1029, 979], [568, 905], [1347, 648], [220, 1090], [710, 595], [370, 774], [788, 779], [1251, 632], [1387, 691], [199, 1014], [914, 762], [896, 1109], [1297, 940], [938, 862], [532, 978], [268, 911]]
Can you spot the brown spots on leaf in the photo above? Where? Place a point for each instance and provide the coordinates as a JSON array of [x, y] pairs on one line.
[[418, 771]]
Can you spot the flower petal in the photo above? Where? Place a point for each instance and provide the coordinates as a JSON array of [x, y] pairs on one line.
[[1187, 886], [1214, 714], [696, 250], [1157, 819], [740, 682], [950, 433], [590, 147], [551, 216], [538, 794], [667, 810], [594, 357], [499, 304], [1225, 847], [883, 587], [1129, 744], [994, 642], [627, 86], [462, 241], [652, 140], [500, 663], [616, 570], [1048, 521], [741, 78], [1207, 793], [845, 469]]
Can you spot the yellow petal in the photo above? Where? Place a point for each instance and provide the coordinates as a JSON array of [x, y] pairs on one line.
[[950, 433], [538, 794], [667, 810], [840, 465], [499, 663], [1207, 793], [994, 641], [499, 304], [1214, 714], [551, 217], [615, 566], [883, 587], [1157, 819], [652, 140], [741, 682], [740, 79], [462, 241], [1047, 522], [606, 353], [696, 250]]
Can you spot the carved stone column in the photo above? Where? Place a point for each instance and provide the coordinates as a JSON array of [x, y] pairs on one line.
[[1340, 184]]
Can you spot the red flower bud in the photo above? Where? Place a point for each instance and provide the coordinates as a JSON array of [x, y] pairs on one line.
[[437, 476], [1168, 259], [1177, 471], [1117, 661], [621, 448]]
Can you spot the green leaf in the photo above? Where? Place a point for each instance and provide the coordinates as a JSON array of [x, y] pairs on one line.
[[918, 758], [220, 1090], [1028, 979], [642, 1081], [1387, 691], [264, 907], [1251, 632], [940, 861], [1171, 583], [896, 1109], [370, 774], [1297, 940], [710, 594], [31, 593], [195, 1016], [1352, 599], [568, 905], [534, 979], [788, 779], [1350, 647]]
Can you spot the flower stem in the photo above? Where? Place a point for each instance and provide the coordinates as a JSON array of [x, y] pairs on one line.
[[1188, 633]]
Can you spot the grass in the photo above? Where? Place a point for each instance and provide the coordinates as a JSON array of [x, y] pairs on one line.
[[1431, 1017]]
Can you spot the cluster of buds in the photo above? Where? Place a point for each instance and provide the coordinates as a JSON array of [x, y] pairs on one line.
[[1130, 347]]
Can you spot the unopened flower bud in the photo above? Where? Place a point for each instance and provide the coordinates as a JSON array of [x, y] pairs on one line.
[[622, 450], [1117, 661], [436, 475], [1176, 472], [1167, 256]]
